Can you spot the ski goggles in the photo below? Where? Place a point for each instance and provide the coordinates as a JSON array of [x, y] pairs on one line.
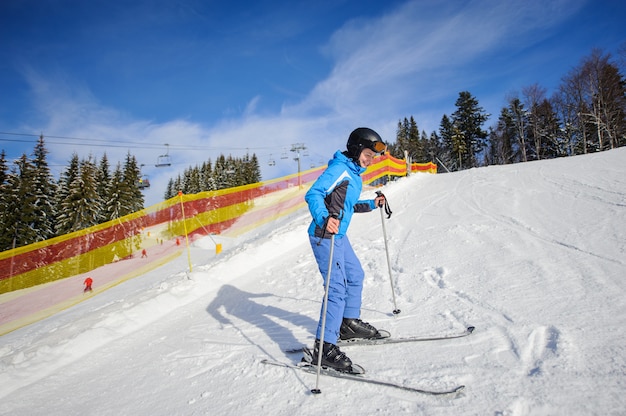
[[378, 147]]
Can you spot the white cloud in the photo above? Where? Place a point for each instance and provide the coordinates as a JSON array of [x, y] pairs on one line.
[[413, 60]]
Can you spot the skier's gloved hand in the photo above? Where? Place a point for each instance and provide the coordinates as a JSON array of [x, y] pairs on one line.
[[381, 201], [332, 224]]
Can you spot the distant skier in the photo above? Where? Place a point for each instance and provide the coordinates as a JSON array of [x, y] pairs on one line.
[[144, 253], [332, 200], [88, 282]]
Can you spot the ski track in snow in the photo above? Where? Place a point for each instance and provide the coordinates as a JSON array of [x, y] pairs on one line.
[[530, 254]]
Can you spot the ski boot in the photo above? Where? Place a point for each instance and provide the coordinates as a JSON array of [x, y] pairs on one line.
[[356, 328], [332, 357]]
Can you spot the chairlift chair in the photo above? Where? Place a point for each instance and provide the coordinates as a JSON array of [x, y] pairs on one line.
[[164, 160], [143, 182]]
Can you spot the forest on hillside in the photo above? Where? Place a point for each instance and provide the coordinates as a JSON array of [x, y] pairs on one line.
[[586, 114], [34, 206]]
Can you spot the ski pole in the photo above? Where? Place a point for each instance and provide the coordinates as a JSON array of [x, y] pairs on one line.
[[393, 293], [320, 348]]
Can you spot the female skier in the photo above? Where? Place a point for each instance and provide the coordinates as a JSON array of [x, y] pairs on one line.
[[332, 200]]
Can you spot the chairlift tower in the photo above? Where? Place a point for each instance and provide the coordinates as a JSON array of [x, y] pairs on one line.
[[296, 148]]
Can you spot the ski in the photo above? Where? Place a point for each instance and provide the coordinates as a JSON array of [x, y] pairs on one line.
[[312, 369], [391, 340]]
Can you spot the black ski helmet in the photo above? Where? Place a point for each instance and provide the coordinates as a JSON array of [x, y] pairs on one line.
[[362, 138]]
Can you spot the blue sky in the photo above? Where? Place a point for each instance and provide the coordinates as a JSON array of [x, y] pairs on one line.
[[217, 77]]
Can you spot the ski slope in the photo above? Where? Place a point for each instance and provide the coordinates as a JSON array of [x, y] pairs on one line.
[[533, 255]]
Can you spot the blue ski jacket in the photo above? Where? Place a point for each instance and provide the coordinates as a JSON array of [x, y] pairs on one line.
[[337, 192]]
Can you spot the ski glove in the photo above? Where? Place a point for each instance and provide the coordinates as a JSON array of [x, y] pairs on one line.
[[387, 208]]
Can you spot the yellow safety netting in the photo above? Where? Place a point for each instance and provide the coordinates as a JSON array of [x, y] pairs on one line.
[[229, 211]]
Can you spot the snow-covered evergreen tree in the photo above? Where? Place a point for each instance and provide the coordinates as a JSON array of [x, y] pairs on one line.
[[252, 170], [44, 188], [103, 180], [227, 172], [206, 176], [4, 168], [19, 203], [4, 173], [221, 173], [68, 176], [133, 198], [191, 181], [82, 207], [169, 190], [113, 204]]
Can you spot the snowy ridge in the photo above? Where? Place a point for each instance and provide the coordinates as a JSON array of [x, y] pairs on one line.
[[531, 254]]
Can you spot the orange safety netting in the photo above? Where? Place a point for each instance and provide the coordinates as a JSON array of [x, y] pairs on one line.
[[229, 211]]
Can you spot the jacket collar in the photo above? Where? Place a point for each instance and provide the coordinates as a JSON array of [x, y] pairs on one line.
[[352, 165]]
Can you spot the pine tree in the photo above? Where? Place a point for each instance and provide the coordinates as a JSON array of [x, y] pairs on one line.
[[173, 187], [4, 169], [446, 132], [468, 120], [221, 172], [44, 188], [103, 181], [114, 203], [408, 139], [519, 118], [415, 146], [83, 207], [116, 206], [133, 197], [235, 172], [169, 190], [429, 147], [19, 206], [191, 181], [8, 214], [178, 185], [4, 190], [206, 176], [459, 146], [68, 176], [402, 140], [548, 130], [501, 139], [253, 170]]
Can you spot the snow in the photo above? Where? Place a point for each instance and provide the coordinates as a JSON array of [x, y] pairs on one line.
[[531, 254]]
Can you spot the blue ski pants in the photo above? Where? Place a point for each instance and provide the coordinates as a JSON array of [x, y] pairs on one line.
[[346, 284]]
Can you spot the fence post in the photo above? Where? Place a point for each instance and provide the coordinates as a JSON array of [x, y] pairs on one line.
[[182, 207]]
